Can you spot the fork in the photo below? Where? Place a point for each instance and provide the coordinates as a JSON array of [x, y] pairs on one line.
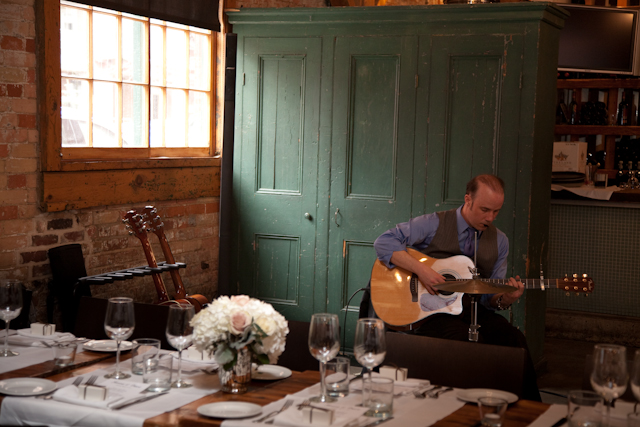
[[425, 393], [436, 394], [274, 413], [92, 379]]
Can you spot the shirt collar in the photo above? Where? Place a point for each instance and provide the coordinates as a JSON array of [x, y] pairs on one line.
[[462, 224]]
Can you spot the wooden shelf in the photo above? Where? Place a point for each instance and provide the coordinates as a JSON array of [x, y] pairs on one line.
[[598, 83], [596, 130]]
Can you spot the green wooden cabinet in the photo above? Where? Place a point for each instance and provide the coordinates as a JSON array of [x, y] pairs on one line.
[[350, 120]]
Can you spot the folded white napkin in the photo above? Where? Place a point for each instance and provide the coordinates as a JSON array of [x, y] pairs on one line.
[[399, 387], [117, 391], [342, 415], [30, 341], [69, 394]]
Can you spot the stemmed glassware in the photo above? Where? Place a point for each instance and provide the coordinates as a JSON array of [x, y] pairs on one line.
[[370, 348], [609, 375], [324, 344], [180, 335], [118, 325], [634, 381], [10, 307]]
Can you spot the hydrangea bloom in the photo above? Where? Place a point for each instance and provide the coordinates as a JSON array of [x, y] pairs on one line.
[[230, 323]]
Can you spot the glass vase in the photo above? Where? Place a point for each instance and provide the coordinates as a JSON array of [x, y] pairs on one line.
[[236, 379]]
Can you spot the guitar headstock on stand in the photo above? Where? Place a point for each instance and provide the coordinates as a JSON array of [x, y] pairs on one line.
[[134, 222]]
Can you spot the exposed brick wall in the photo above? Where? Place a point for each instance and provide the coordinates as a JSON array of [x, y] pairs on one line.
[[26, 233]]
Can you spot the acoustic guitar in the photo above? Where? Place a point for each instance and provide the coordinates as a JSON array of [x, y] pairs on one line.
[[401, 301], [156, 226], [135, 224]]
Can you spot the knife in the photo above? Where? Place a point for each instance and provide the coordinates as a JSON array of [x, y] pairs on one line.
[[136, 400]]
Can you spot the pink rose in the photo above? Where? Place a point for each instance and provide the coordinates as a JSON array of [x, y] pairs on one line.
[[240, 320], [240, 300]]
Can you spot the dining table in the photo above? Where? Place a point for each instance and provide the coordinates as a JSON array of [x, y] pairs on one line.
[[263, 393]]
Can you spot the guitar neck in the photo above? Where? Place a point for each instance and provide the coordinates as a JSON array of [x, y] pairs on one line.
[[528, 283], [151, 260], [181, 292]]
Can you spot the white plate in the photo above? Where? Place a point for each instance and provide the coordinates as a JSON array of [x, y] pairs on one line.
[[27, 333], [26, 386], [473, 394], [270, 372], [106, 346], [230, 410]]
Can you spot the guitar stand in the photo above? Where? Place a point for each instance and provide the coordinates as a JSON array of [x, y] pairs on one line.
[[130, 273], [473, 328]]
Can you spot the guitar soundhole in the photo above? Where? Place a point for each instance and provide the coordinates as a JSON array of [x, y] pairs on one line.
[[447, 277]]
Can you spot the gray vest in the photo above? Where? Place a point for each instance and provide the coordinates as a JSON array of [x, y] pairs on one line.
[[445, 243]]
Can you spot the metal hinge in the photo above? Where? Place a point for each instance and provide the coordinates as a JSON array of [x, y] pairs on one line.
[[417, 81], [243, 79]]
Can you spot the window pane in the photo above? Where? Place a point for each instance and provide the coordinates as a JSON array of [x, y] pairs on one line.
[[199, 119], [105, 114], [176, 58], [105, 46], [157, 117], [134, 109], [74, 41], [199, 62], [175, 126], [75, 113], [157, 55], [134, 42]]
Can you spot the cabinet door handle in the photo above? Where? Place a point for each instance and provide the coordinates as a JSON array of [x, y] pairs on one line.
[[335, 217]]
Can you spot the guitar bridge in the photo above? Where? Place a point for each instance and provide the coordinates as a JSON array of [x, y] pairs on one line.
[[413, 287]]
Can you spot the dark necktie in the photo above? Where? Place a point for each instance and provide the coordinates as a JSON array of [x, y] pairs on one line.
[[469, 243]]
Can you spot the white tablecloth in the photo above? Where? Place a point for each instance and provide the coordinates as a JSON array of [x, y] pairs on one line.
[[556, 412], [598, 193], [33, 411], [407, 409], [30, 354]]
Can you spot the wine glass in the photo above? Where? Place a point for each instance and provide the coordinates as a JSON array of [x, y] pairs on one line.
[[635, 379], [370, 348], [10, 307], [180, 335], [119, 324], [609, 375], [324, 344]]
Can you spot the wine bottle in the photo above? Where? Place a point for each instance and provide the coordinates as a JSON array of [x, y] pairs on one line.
[[573, 110], [623, 111], [621, 179], [562, 112]]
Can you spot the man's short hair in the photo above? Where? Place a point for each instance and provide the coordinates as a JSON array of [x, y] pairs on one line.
[[493, 182]]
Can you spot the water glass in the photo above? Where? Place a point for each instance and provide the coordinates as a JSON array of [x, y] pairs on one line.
[[492, 410], [585, 408], [378, 396], [337, 380], [143, 349], [157, 372], [64, 353]]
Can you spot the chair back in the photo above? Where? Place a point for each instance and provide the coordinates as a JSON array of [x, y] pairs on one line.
[[67, 266], [296, 355], [461, 364], [151, 320]]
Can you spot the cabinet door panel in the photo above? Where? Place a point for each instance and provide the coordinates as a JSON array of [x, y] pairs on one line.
[[275, 171], [473, 105], [372, 157]]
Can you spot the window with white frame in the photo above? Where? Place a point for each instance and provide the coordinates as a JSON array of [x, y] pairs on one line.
[[131, 82]]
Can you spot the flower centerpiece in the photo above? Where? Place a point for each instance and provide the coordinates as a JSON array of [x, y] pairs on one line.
[[237, 330]]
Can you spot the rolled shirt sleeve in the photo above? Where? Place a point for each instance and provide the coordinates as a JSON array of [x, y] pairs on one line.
[[417, 233]]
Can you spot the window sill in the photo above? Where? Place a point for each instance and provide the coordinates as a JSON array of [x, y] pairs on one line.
[[102, 183]]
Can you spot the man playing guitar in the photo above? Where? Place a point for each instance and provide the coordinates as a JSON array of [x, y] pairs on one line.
[[453, 232]]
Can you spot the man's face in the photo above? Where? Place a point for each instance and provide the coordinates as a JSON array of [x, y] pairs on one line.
[[481, 210]]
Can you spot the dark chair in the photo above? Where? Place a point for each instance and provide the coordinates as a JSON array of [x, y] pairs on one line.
[[67, 266], [461, 364], [296, 355], [151, 320]]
